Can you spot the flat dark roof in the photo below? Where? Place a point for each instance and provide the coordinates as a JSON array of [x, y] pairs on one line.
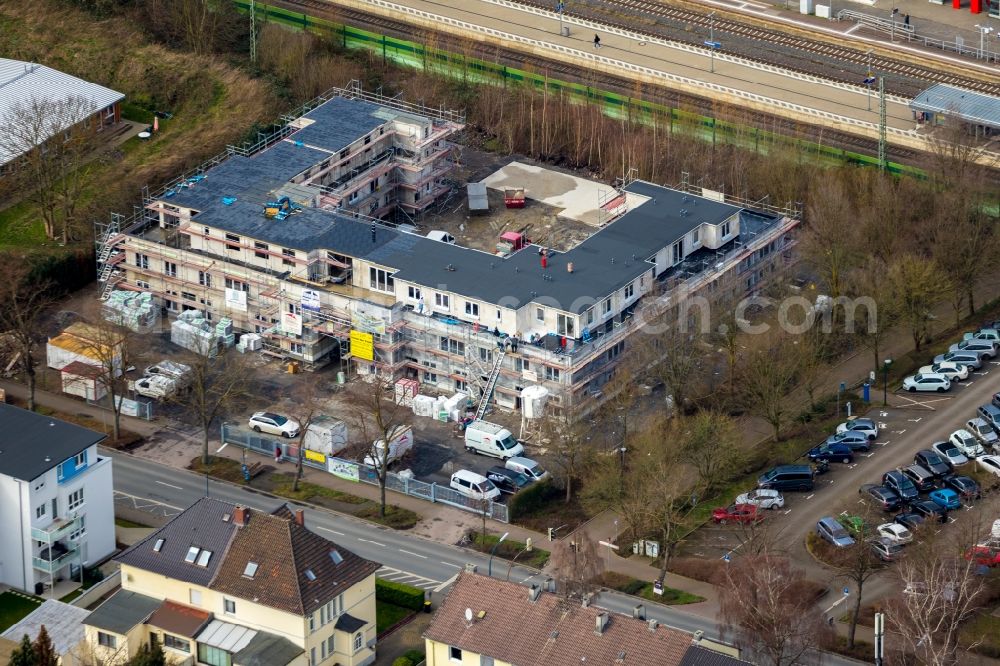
[[32, 444], [122, 611]]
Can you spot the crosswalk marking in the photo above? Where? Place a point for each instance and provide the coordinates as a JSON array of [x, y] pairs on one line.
[[398, 576]]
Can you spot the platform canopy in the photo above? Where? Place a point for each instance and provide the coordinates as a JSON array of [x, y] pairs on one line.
[[971, 107]]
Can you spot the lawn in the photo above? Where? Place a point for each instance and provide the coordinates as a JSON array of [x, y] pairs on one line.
[[510, 549], [20, 227], [122, 522], [983, 631], [641, 588], [14, 606], [389, 615]]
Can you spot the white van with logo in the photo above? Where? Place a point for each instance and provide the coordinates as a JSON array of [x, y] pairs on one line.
[[491, 439], [475, 486], [528, 467]]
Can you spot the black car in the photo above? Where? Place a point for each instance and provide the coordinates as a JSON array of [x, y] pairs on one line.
[[965, 487], [507, 480], [832, 452], [921, 477], [932, 462], [930, 510], [911, 521], [901, 485], [880, 495]]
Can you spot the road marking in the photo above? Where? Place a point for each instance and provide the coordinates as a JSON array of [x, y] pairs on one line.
[[916, 420], [327, 529], [985, 372], [836, 603], [152, 502], [994, 362], [788, 512], [423, 557], [388, 573], [883, 414], [968, 383], [372, 542], [900, 432], [811, 496], [868, 455], [169, 485], [445, 584], [224, 445], [449, 564], [851, 31]]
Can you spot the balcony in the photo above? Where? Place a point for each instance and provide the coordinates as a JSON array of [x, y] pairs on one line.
[[56, 531], [53, 558]]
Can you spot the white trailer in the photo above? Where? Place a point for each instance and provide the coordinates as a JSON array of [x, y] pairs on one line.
[[326, 435]]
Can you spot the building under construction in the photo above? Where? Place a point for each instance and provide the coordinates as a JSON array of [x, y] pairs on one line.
[[286, 239]]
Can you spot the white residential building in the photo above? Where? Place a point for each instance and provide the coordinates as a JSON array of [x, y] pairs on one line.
[[56, 500]]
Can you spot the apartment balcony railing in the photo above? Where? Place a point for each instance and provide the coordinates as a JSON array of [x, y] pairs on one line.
[[55, 557], [56, 531]]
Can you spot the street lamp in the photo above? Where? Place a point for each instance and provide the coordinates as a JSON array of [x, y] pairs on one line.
[[983, 31], [711, 43], [869, 79], [885, 381], [493, 551]]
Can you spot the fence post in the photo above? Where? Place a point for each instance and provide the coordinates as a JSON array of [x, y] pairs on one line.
[[433, 493]]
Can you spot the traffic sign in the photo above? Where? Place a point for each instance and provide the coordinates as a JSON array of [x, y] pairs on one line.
[[869, 81], [713, 45], [560, 6], [847, 591]]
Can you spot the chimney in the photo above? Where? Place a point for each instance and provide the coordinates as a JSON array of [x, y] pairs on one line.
[[652, 624], [533, 593], [300, 517], [240, 516], [471, 568], [601, 622], [569, 267], [639, 612], [698, 635], [586, 600], [550, 584]]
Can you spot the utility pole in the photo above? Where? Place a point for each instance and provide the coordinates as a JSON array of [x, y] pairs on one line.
[[881, 124], [879, 638], [869, 79], [711, 43], [253, 32]]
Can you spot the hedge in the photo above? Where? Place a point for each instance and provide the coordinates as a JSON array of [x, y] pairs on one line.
[[531, 499], [399, 594]]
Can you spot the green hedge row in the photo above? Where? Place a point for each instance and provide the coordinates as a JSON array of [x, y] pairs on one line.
[[399, 594], [531, 499]]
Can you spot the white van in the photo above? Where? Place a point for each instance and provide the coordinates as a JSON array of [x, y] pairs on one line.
[[474, 485], [400, 442], [491, 439], [528, 467]]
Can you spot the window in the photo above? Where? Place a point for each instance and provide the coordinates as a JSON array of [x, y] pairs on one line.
[[430, 377], [192, 554], [441, 301], [629, 291], [195, 597], [158, 546], [606, 307], [80, 459], [312, 657], [232, 242], [204, 557], [208, 232], [75, 499], [540, 314], [204, 279], [472, 309], [175, 643], [521, 364], [725, 229], [551, 374], [462, 385], [331, 644], [485, 355], [237, 285], [142, 284], [188, 296], [454, 653], [590, 316], [413, 293], [170, 268], [142, 260], [214, 656], [566, 325], [453, 346], [79, 531], [40, 511], [359, 641], [107, 640], [228, 606], [381, 280], [696, 236], [250, 570]]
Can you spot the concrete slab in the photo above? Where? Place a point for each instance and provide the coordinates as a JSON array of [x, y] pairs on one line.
[[579, 199]]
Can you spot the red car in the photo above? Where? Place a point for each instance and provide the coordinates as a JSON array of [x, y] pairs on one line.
[[984, 555], [737, 513]]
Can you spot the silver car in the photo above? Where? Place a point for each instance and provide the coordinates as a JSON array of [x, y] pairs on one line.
[[982, 347], [763, 498], [982, 431], [971, 359]]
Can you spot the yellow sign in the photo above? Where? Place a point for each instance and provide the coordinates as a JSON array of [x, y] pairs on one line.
[[362, 345], [315, 456]]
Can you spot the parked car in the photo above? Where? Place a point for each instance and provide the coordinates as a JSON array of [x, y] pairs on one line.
[[863, 425], [986, 556], [833, 532], [856, 441], [983, 334], [966, 488], [274, 424], [921, 477], [474, 486], [950, 454], [991, 414], [507, 480], [526, 466], [894, 532], [832, 452], [971, 359], [763, 498], [945, 498], [987, 348], [953, 371], [926, 382], [880, 496], [990, 464], [886, 550], [966, 441], [932, 462], [900, 484], [984, 432], [930, 510], [996, 400], [737, 513], [909, 520], [788, 477]]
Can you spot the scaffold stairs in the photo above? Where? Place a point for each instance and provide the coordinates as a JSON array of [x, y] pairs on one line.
[[484, 402]]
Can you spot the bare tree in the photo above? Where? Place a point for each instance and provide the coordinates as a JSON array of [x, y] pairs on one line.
[[109, 344], [765, 376], [917, 285], [201, 26], [569, 447], [965, 240], [376, 415], [219, 385], [675, 356], [576, 564], [762, 604], [710, 443], [874, 320], [829, 239], [50, 140], [857, 564], [307, 404], [23, 299]]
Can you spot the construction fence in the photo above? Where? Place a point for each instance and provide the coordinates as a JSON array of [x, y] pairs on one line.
[[356, 472]]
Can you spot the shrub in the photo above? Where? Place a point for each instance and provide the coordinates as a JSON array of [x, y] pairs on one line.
[[416, 656], [707, 571], [531, 499], [402, 661], [399, 594]]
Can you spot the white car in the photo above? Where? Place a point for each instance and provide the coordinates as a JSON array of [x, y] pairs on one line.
[[157, 387], [764, 498], [989, 463], [982, 431], [926, 382], [895, 532], [864, 426], [950, 453], [965, 442], [953, 371], [274, 424]]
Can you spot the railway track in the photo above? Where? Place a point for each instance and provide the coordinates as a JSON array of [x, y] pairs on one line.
[[815, 48]]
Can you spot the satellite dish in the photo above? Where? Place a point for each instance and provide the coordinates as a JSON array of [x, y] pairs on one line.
[[468, 615]]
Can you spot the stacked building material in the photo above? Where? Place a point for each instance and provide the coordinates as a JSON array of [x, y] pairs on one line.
[[195, 333], [134, 310]]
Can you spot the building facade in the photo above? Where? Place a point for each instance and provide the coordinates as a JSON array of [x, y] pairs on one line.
[[57, 501], [223, 585], [275, 240]]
